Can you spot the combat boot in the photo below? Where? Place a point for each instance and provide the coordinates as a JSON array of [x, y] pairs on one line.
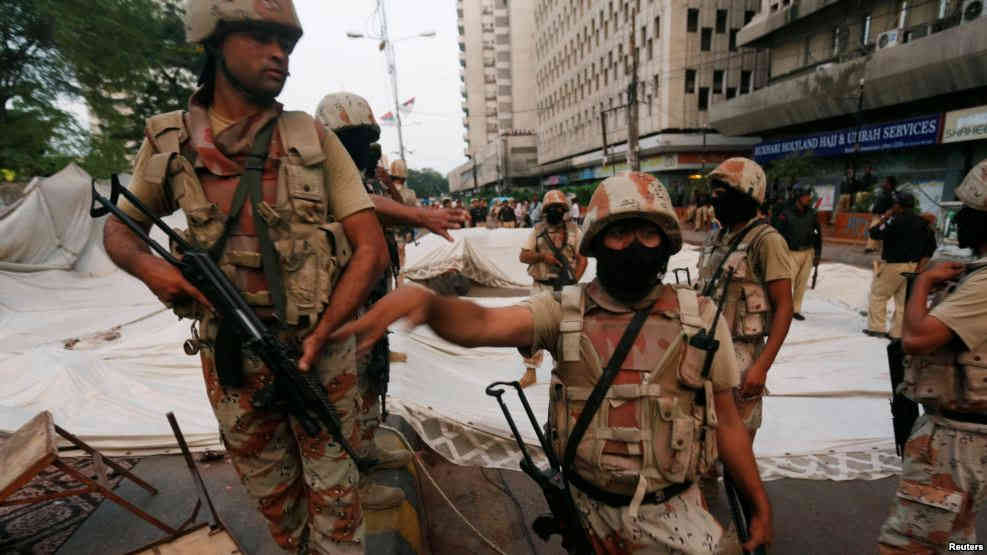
[[388, 459], [376, 497]]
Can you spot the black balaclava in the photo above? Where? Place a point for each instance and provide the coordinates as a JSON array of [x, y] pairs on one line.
[[971, 228], [629, 274], [555, 214], [733, 207], [357, 142]]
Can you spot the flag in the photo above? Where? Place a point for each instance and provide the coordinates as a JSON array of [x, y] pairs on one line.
[[387, 119], [408, 105]]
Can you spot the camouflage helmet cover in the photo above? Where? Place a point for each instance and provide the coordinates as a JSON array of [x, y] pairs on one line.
[[555, 196], [399, 169], [202, 17], [742, 174], [973, 191], [343, 110], [630, 195]]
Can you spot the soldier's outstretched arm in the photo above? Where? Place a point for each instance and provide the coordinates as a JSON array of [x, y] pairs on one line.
[[455, 320], [734, 445], [438, 221]]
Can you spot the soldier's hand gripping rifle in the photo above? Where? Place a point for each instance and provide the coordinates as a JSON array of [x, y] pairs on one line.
[[564, 517], [300, 393], [904, 411], [566, 276]]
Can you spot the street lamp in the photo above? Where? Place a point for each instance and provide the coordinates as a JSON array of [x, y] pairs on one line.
[[387, 45]]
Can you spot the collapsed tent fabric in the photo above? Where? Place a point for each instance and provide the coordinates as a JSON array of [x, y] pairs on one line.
[[105, 357]]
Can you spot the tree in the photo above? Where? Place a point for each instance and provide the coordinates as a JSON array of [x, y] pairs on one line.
[[126, 58], [428, 183]]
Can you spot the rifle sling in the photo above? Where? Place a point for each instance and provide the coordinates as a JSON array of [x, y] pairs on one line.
[[734, 243], [601, 388], [250, 184]]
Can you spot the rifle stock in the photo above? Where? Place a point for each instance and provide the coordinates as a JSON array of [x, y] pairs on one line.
[[567, 276], [301, 394]]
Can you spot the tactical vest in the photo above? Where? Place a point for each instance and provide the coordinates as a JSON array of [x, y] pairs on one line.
[[541, 271], [948, 379], [313, 251], [746, 309], [649, 426]]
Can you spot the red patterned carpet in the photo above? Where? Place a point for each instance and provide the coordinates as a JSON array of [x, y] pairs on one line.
[[43, 527]]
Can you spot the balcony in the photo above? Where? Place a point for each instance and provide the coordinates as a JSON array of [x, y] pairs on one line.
[[951, 60], [766, 23]]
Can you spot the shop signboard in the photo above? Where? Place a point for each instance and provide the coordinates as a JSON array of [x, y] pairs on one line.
[[907, 133], [965, 125]]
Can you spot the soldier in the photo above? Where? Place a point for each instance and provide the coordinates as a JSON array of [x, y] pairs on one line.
[[758, 306], [905, 241], [235, 142], [633, 475], [350, 117], [544, 266], [944, 473], [798, 224], [882, 205]]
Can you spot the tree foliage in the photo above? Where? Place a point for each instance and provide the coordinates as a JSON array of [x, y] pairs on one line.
[[428, 183], [126, 59]]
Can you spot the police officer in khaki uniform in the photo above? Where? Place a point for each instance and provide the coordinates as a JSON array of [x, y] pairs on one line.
[[799, 225], [905, 241], [634, 472], [543, 266], [944, 473], [758, 306], [233, 137]]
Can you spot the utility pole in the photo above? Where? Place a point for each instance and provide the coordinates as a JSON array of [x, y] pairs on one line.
[[392, 69], [632, 106], [603, 123]]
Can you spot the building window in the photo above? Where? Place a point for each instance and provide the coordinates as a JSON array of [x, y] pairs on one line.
[[748, 16], [692, 21], [657, 27], [733, 40], [644, 33], [690, 81], [731, 92], [703, 98], [721, 21], [651, 53], [718, 81], [706, 39], [745, 81]]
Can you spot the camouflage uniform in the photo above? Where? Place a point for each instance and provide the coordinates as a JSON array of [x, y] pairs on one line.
[[944, 471], [566, 238], [762, 256], [650, 435], [306, 487]]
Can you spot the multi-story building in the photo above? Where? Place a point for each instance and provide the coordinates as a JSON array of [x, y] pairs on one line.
[[898, 87], [688, 61], [496, 53]]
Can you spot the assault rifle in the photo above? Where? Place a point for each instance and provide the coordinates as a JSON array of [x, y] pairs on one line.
[[904, 411], [564, 517], [299, 393], [567, 277]]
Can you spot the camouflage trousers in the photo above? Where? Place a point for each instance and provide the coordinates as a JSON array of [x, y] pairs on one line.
[[680, 525], [750, 409], [943, 484], [306, 487]]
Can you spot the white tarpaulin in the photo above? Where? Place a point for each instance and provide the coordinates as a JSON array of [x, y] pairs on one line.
[[101, 353]]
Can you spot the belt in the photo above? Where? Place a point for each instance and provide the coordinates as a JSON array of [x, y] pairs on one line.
[[968, 417], [620, 500]]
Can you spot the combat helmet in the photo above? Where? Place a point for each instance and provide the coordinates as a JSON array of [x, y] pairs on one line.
[[742, 174], [555, 196], [399, 169], [973, 191], [343, 110], [630, 195], [202, 17]]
